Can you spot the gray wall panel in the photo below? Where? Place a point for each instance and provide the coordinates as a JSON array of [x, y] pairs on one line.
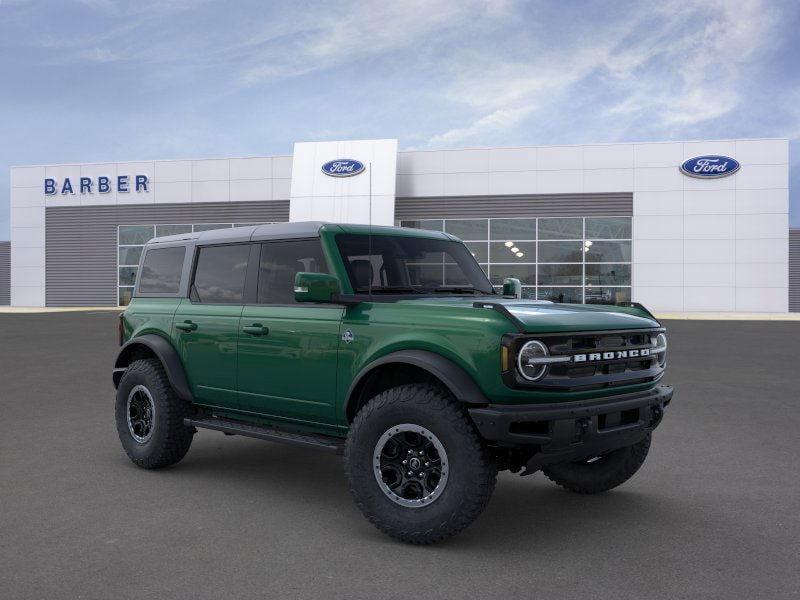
[[82, 241], [551, 205], [5, 273], [794, 270]]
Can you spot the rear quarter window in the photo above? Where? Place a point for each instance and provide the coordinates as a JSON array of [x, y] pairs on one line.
[[161, 270]]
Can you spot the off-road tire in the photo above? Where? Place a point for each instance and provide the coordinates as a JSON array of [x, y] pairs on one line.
[[170, 438], [472, 472], [609, 471]]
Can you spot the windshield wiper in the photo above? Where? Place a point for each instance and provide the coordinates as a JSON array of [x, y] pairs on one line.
[[389, 289]]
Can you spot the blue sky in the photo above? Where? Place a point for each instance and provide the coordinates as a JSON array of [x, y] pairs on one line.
[[98, 80]]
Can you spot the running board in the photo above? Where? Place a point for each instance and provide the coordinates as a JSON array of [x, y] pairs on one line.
[[230, 427]]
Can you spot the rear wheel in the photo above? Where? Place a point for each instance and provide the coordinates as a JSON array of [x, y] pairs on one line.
[[415, 465], [600, 473], [150, 416]]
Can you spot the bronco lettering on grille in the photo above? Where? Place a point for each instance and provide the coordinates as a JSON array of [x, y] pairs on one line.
[[618, 354]]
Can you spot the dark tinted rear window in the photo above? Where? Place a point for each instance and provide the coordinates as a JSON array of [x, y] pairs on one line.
[[161, 271], [219, 276]]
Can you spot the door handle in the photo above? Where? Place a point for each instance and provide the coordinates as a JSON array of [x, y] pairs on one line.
[[256, 329], [186, 326]]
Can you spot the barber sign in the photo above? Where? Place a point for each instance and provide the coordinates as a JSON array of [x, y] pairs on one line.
[[342, 167], [710, 166]]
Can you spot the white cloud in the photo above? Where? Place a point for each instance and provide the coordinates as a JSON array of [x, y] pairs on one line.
[[500, 119], [671, 65], [313, 41]]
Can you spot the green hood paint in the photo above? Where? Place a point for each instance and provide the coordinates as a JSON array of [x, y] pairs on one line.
[[544, 317]]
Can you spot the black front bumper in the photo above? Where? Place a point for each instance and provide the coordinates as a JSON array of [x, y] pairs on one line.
[[565, 432]]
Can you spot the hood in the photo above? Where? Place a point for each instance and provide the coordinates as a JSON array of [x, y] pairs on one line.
[[534, 316]]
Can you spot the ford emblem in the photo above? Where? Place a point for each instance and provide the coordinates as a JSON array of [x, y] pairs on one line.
[[343, 167], [710, 166]]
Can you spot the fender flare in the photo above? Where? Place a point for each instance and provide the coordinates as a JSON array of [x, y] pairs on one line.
[[165, 352], [458, 381]]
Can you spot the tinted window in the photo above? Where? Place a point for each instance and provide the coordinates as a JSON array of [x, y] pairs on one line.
[[219, 276], [280, 262], [400, 264], [161, 270]]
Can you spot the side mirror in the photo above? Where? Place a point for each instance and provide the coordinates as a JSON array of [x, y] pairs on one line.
[[315, 287], [512, 287]]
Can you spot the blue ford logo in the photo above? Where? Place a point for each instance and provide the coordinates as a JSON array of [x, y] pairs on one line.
[[710, 166], [342, 167]]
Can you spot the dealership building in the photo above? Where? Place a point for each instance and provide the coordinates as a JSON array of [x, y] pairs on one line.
[[678, 226]]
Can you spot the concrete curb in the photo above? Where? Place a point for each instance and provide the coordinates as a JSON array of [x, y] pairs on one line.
[[709, 316]]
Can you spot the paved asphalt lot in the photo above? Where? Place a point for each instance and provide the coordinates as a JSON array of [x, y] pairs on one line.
[[714, 513]]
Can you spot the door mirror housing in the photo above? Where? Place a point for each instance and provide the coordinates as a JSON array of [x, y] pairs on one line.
[[512, 287], [316, 287]]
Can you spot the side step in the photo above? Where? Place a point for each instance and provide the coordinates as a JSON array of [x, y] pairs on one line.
[[232, 427]]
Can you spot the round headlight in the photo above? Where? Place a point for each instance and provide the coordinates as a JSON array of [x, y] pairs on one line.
[[661, 348], [527, 363]]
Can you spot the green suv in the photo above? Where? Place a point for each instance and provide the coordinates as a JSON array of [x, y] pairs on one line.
[[389, 346]]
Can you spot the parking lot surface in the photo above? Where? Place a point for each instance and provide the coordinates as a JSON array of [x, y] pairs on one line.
[[714, 512]]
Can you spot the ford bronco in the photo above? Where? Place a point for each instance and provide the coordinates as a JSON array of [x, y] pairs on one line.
[[389, 346]]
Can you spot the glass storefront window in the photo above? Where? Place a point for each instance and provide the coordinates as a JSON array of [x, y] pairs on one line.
[[429, 224], [560, 252], [135, 234], [604, 295], [468, 229], [560, 275], [569, 295], [563, 259], [127, 275], [210, 226], [129, 255], [519, 252], [607, 251], [608, 228], [125, 294], [525, 273], [512, 230], [162, 230], [608, 274], [561, 229]]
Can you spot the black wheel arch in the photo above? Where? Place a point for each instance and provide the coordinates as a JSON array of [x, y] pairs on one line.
[[418, 365], [151, 344]]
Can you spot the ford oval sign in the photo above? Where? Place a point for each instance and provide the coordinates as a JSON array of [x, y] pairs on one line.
[[343, 167], [710, 166]]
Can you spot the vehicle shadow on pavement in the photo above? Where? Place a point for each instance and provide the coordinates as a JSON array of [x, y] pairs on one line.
[[523, 512]]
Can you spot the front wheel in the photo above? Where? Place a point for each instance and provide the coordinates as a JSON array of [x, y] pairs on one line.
[[415, 465], [600, 473], [150, 416]]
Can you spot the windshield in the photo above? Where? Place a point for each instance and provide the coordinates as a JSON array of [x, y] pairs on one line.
[[396, 264]]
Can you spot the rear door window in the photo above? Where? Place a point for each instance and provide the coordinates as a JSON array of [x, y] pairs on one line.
[[161, 270], [220, 274]]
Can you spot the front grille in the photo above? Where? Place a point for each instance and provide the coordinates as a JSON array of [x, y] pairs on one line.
[[607, 362], [589, 344]]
